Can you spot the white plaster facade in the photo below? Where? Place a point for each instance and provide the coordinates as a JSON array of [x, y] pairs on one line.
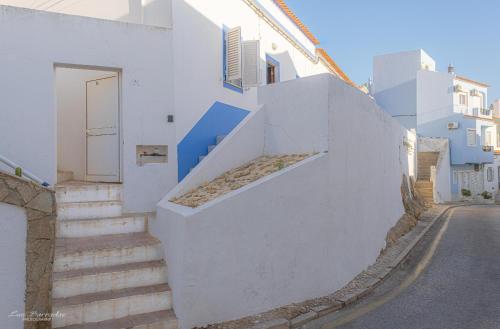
[[29, 115], [441, 105], [198, 49], [293, 228], [176, 68], [13, 226], [184, 45]]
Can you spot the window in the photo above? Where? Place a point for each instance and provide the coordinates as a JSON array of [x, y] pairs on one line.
[[487, 139], [489, 174], [272, 70], [462, 99], [271, 73], [471, 137], [240, 60], [232, 58]]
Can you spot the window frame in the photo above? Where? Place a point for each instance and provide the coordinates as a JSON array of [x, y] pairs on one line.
[[225, 83], [475, 137], [277, 69], [466, 99], [489, 174]]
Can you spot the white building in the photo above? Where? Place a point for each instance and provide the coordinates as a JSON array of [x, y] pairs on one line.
[[265, 38], [442, 105], [136, 93]]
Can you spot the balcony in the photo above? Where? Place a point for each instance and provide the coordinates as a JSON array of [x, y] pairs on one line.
[[487, 148], [486, 112], [478, 112]]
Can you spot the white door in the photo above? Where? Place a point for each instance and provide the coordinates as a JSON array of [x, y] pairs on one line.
[[103, 140]]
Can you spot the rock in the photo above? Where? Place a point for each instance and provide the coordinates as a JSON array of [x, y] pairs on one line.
[[43, 202]]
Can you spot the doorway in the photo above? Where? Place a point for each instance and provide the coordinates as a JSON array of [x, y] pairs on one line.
[[88, 123]]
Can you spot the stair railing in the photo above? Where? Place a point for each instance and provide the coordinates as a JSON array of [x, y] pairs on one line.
[[20, 172]]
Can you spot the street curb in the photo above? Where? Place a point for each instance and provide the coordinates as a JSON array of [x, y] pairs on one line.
[[419, 237], [391, 267], [364, 283]]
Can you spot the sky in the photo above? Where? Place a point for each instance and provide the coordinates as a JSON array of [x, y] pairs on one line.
[[463, 33]]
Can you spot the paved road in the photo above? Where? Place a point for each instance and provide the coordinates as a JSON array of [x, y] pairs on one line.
[[460, 287]]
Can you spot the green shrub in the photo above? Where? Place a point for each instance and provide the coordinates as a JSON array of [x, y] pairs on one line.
[[466, 192], [486, 195]]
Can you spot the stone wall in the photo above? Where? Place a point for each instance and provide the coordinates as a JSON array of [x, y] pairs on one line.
[[414, 207], [39, 204]]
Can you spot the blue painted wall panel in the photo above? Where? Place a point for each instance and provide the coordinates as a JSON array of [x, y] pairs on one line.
[[220, 119], [461, 153]]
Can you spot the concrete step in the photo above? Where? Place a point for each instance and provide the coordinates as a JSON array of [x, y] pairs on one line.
[[111, 305], [424, 187], [219, 139], [105, 250], [211, 148], [96, 279], [76, 228], [201, 157], [64, 176], [92, 209], [85, 192], [153, 320]]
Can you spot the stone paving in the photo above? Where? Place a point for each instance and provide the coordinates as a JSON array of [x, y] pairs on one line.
[[237, 178], [296, 315]]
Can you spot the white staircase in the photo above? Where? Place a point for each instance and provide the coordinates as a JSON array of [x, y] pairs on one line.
[[108, 271]]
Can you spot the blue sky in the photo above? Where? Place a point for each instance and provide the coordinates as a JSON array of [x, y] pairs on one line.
[[465, 33]]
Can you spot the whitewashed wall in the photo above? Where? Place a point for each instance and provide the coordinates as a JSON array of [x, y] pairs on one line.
[[198, 51], [394, 83], [28, 124], [13, 228], [297, 126], [149, 12], [300, 233]]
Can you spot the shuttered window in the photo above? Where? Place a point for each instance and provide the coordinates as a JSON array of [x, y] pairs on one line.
[[233, 56], [251, 56], [241, 61]]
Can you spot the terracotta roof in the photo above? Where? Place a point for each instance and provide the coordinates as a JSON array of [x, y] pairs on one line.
[[323, 54], [320, 52], [472, 81], [284, 7]]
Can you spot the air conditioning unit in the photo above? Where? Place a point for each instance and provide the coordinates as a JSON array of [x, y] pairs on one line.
[[453, 125], [458, 88], [474, 92]]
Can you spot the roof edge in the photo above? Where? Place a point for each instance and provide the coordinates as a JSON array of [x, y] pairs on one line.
[[472, 81], [290, 14], [324, 55]]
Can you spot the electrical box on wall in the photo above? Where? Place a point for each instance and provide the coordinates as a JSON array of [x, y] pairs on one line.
[[148, 154]]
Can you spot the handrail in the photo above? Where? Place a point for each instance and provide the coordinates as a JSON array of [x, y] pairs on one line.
[[20, 172]]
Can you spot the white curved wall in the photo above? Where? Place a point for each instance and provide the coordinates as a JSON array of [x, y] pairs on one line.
[[302, 232], [13, 227]]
